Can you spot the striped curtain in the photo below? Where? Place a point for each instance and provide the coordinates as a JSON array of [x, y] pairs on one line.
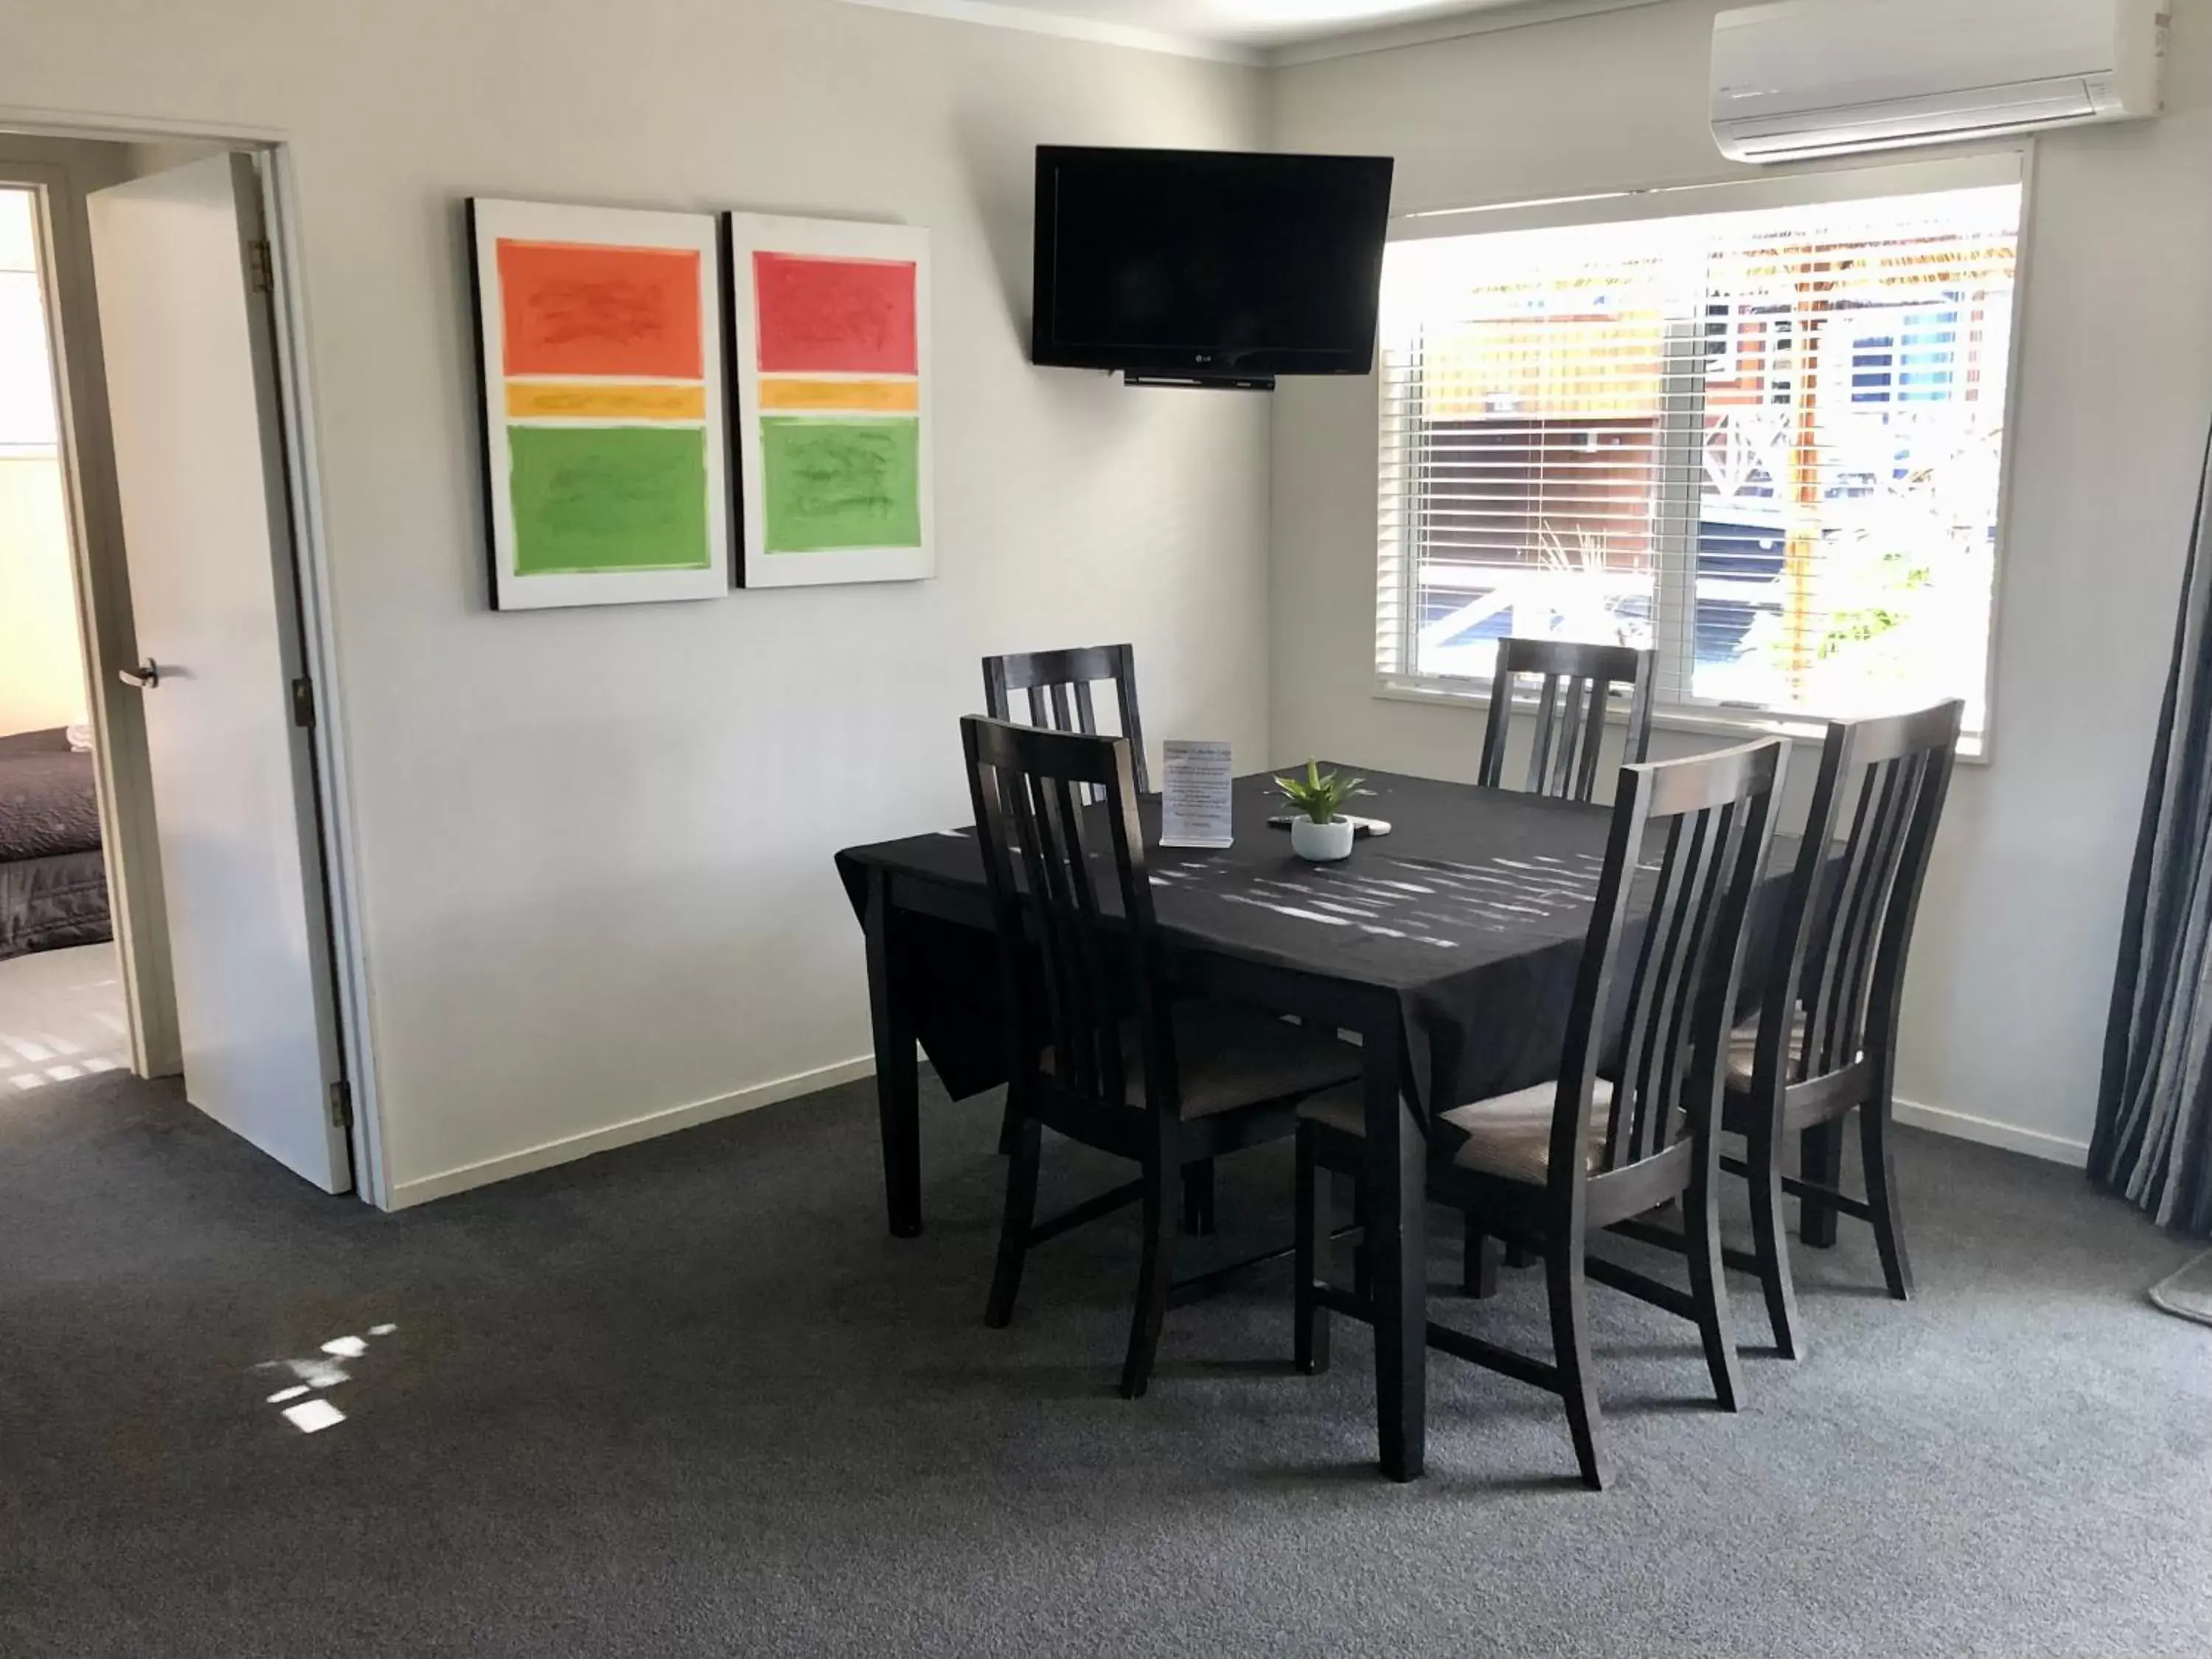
[[2154, 1140]]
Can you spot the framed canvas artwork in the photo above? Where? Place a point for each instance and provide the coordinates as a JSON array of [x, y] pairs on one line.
[[600, 363], [830, 321]]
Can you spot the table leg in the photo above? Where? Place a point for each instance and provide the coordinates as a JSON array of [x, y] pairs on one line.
[[1397, 1249], [1821, 1160], [898, 1083]]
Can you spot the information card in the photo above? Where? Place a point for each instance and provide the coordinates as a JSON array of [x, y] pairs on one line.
[[1194, 795]]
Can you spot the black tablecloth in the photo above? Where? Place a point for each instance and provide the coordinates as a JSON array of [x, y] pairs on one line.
[[1472, 912]]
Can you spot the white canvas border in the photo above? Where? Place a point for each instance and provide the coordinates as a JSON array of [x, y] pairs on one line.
[[750, 233], [491, 218]]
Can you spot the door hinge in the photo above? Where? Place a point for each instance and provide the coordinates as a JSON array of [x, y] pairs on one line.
[[261, 266], [342, 1105], [303, 701]]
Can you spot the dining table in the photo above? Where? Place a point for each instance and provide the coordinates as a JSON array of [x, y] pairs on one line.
[[1446, 948]]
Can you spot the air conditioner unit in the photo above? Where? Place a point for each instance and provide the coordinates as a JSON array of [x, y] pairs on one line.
[[1824, 77]]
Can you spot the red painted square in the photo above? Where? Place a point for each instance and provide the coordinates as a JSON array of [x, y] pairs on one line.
[[585, 308], [834, 316]]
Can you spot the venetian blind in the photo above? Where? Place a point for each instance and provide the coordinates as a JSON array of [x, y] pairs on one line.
[[1767, 442]]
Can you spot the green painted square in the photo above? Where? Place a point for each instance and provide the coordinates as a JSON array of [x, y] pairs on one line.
[[601, 500], [835, 483]]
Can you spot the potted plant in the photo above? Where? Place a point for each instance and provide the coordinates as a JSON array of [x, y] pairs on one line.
[[1320, 833]]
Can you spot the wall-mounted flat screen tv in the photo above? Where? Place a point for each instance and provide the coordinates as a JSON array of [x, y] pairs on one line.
[[1207, 264]]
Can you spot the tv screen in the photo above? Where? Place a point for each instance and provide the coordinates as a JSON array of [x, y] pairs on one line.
[[1208, 264]]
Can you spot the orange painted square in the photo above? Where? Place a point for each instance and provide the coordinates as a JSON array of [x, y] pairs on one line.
[[582, 309]]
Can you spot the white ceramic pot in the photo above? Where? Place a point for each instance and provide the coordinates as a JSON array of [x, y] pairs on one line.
[[1320, 843]]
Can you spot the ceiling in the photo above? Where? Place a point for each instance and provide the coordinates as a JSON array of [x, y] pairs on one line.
[[1254, 22], [1247, 30]]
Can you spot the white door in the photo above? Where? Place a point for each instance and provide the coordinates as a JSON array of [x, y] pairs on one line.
[[188, 335]]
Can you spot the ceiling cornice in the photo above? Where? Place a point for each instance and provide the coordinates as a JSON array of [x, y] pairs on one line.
[[1424, 31], [1355, 43], [1072, 28]]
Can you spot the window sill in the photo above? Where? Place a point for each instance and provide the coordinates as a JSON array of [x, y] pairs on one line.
[[1742, 723]]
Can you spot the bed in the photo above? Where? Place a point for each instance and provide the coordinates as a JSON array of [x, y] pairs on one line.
[[53, 881]]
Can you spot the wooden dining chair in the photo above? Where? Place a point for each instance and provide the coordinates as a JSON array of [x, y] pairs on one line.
[[1097, 1048], [1577, 689], [1057, 685], [1825, 1042], [1631, 1125]]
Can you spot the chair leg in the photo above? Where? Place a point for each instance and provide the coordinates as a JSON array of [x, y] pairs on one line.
[[1197, 1199], [1314, 1221], [1771, 1243], [1023, 1159], [1570, 1294], [1479, 1263], [1363, 1271], [1820, 1164], [1709, 1280], [1155, 1276], [1518, 1255], [1874, 1146], [1009, 1125]]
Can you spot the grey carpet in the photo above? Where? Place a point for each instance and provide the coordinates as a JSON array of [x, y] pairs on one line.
[[2187, 1294], [689, 1398]]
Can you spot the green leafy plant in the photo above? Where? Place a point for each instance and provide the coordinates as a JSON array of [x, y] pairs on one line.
[[1863, 617], [1317, 797]]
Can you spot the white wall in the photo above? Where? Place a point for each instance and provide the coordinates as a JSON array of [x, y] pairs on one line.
[[2013, 959], [595, 845]]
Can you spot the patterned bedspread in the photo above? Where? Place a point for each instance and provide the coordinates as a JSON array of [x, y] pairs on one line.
[[49, 803]]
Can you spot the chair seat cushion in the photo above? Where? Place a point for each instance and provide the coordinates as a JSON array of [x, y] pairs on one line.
[[1507, 1135], [1743, 1053], [1229, 1057]]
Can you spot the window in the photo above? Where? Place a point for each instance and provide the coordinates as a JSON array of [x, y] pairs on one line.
[[27, 394], [1767, 441]]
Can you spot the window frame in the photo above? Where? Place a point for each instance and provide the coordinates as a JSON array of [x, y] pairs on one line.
[[1844, 180]]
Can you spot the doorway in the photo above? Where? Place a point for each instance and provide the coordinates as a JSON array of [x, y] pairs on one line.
[[148, 334], [62, 1010]]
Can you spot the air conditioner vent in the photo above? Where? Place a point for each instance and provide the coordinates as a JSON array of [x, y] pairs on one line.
[[1824, 77]]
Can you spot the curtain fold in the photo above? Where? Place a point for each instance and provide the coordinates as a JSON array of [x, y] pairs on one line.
[[2154, 1139]]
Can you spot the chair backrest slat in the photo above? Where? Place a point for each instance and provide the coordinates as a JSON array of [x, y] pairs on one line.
[[1655, 1078], [1638, 1034], [1870, 868], [1037, 843], [1539, 749], [1585, 776], [1574, 695], [1839, 965], [1056, 688], [1576, 698], [1083, 942], [1712, 818], [1074, 968]]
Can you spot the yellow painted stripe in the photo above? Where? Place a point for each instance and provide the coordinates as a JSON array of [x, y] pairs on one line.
[[584, 400], [897, 396]]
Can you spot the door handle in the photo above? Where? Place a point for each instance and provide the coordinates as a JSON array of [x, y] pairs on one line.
[[145, 677]]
